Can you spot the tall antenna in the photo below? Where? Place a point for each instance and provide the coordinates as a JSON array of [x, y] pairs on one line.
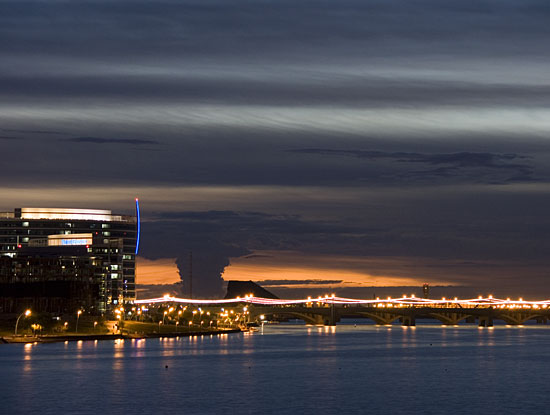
[[138, 220], [190, 274]]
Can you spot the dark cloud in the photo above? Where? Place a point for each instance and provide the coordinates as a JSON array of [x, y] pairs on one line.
[[252, 30], [448, 98], [482, 249], [201, 246], [452, 165], [248, 231], [352, 91], [190, 75], [462, 159], [201, 277], [233, 156], [99, 140], [206, 241], [257, 256], [41, 132]]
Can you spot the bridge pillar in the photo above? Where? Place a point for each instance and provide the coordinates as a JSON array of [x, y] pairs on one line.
[[318, 319], [331, 320], [408, 321], [485, 321]]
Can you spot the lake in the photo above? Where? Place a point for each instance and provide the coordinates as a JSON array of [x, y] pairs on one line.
[[289, 369]]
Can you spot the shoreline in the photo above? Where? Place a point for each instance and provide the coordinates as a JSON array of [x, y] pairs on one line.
[[52, 338]]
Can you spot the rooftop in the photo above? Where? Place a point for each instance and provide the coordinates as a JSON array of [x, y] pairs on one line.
[[66, 214]]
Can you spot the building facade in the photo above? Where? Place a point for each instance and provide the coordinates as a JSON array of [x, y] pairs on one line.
[[80, 247], [53, 279]]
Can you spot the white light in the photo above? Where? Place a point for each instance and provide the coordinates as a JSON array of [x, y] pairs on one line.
[[71, 214]]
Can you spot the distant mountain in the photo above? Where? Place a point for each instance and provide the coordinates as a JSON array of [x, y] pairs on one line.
[[242, 288]]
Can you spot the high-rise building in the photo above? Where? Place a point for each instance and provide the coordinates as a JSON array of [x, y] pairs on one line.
[[45, 239]]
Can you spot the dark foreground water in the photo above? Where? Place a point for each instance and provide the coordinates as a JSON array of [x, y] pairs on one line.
[[290, 369]]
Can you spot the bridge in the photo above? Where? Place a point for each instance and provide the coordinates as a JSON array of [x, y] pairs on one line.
[[329, 310]]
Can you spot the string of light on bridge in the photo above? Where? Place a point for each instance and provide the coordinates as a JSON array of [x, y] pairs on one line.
[[327, 300]]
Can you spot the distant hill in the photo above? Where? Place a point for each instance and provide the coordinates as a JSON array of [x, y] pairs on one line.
[[242, 288]]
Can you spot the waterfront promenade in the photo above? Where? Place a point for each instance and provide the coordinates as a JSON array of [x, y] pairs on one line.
[[55, 338]]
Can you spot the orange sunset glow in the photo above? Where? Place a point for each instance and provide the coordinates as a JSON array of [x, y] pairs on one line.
[[289, 265], [159, 271]]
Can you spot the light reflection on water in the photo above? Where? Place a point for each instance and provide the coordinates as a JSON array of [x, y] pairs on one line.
[[287, 369]]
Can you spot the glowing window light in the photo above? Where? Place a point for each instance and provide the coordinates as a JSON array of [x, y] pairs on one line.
[[68, 240]]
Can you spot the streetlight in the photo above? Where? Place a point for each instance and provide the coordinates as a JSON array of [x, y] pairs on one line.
[[160, 322], [95, 325], [166, 312], [26, 314], [78, 313], [177, 323]]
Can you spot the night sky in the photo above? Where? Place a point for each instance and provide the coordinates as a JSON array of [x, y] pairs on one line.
[[323, 144]]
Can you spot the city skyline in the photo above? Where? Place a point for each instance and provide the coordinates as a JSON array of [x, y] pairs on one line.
[[354, 144]]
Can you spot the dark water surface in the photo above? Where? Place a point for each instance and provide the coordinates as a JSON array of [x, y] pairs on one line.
[[289, 369]]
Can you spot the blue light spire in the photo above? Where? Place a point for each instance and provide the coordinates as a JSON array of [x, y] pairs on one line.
[[138, 225]]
